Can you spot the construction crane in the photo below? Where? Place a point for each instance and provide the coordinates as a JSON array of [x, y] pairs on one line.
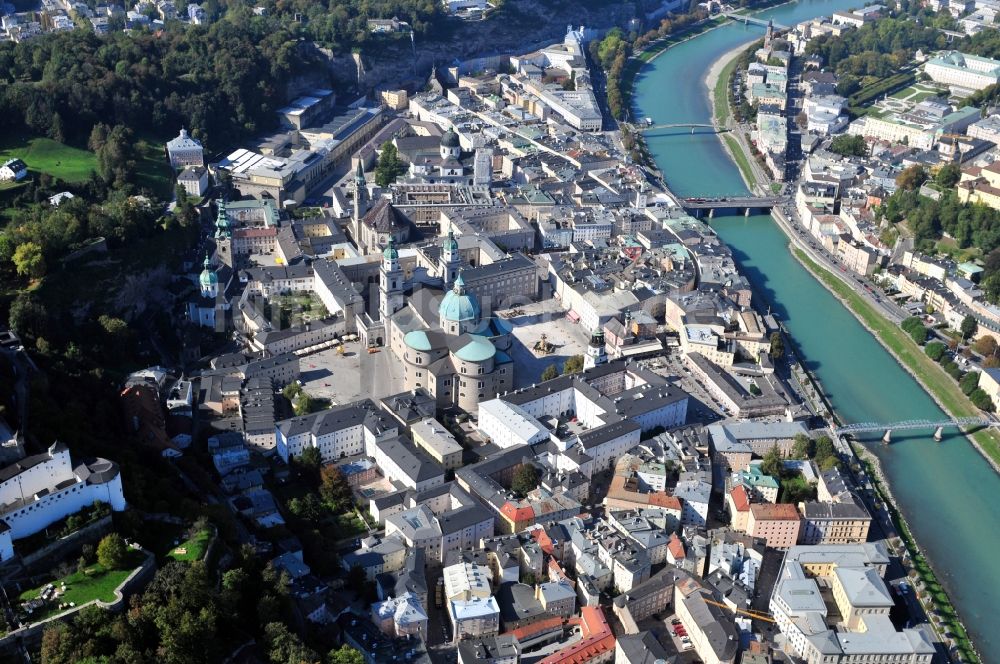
[[756, 615]]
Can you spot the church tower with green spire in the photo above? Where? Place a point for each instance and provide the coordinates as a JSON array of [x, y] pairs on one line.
[[223, 234], [390, 282], [450, 261]]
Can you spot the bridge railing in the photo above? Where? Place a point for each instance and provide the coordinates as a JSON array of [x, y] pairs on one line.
[[910, 425]]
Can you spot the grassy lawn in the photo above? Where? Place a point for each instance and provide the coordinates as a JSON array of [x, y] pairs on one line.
[[741, 160], [928, 372], [721, 93], [95, 582], [346, 525], [43, 155], [153, 172], [194, 548]]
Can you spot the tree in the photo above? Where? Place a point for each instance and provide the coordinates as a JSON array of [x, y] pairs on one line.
[[345, 655], [981, 399], [117, 158], [915, 328], [285, 647], [968, 327], [918, 334], [948, 176], [550, 372], [829, 463], [29, 261], [777, 346], [969, 382], [826, 454], [303, 404], [112, 552], [28, 317], [525, 479], [389, 165], [311, 458], [804, 447], [935, 350], [573, 364], [985, 345], [849, 145], [334, 488], [911, 178], [772, 464]]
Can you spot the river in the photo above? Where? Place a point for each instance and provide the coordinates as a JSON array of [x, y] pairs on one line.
[[946, 490]]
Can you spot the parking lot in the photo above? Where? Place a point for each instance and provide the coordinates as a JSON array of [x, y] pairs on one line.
[[548, 318], [678, 634]]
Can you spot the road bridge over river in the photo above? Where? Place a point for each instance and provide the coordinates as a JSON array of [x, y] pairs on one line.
[[745, 204]]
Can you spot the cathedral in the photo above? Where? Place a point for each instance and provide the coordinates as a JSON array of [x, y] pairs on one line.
[[443, 339]]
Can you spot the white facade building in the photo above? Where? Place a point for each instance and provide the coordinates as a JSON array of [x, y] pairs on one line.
[[185, 151], [964, 71], [41, 489]]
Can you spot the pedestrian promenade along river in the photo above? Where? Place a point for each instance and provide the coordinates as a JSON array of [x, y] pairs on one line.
[[947, 491]]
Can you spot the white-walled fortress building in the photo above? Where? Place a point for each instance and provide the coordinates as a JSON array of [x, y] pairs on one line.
[[41, 489]]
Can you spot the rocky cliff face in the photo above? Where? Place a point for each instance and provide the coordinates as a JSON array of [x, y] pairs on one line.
[[519, 26]]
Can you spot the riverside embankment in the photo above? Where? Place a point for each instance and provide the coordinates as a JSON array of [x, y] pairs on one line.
[[945, 490]]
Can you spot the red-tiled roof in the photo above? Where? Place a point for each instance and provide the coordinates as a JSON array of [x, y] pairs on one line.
[[528, 631], [543, 539], [676, 547], [270, 231], [660, 499], [778, 512], [597, 640], [517, 514], [740, 498]]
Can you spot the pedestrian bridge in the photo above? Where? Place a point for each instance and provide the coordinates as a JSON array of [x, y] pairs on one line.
[[683, 125], [913, 425], [747, 19]]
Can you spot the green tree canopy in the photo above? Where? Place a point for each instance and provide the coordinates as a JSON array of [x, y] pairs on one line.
[[911, 178], [573, 364], [345, 655], [525, 479], [849, 145], [772, 464], [948, 176], [935, 350], [969, 326], [112, 553], [389, 166], [969, 382], [804, 447], [777, 350], [550, 372], [29, 261]]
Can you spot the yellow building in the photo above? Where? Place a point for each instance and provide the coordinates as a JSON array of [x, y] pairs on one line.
[[981, 185]]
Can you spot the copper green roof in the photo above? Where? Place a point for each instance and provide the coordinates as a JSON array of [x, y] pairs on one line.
[[417, 340], [478, 349]]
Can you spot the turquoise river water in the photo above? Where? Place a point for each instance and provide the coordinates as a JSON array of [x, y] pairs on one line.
[[946, 490]]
